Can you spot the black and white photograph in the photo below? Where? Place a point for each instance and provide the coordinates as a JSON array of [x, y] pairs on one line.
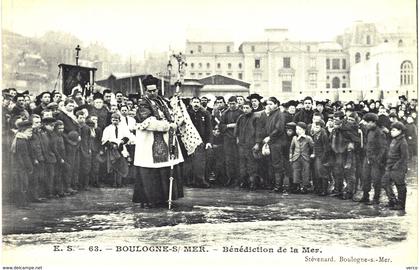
[[209, 134]]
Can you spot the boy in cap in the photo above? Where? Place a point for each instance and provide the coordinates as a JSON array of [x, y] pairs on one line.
[[85, 150], [411, 134], [38, 158], [99, 110], [290, 112], [321, 148], [290, 132], [49, 154], [300, 152], [96, 149], [71, 179], [375, 150], [245, 132], [227, 127], [396, 167], [343, 138], [44, 99], [60, 153], [21, 161]]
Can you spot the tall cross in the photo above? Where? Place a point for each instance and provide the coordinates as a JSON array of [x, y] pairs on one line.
[[77, 54]]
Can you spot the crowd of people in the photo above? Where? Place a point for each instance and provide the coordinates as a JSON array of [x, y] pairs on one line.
[[55, 145]]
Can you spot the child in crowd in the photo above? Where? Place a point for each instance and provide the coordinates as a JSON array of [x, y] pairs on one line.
[[321, 148], [396, 167], [300, 152]]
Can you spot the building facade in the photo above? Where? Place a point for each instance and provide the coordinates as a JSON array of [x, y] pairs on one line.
[[383, 62], [280, 67]]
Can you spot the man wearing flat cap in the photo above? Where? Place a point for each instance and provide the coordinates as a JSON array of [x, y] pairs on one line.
[[21, 162], [256, 102], [18, 110], [44, 98], [375, 154]]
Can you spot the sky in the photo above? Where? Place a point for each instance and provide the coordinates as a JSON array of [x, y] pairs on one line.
[[129, 27]]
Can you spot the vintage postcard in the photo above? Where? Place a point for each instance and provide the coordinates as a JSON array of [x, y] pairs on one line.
[[269, 134]]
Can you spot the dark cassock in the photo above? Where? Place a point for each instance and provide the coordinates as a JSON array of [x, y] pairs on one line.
[[155, 134]]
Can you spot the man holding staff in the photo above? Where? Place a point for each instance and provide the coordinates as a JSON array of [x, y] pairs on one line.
[[155, 142]]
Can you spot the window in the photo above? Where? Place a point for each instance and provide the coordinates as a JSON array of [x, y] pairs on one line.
[[229, 66], [192, 74], [357, 58], [240, 65], [406, 77], [286, 62], [328, 63], [191, 52], [312, 76], [336, 64], [252, 48], [192, 65], [367, 56], [328, 85], [385, 41], [218, 65], [343, 85], [208, 65], [344, 77], [400, 43], [227, 48], [308, 48], [257, 63], [240, 76], [328, 77], [368, 40], [336, 82], [312, 62], [200, 65], [200, 74], [286, 86], [343, 63], [229, 74], [199, 48], [208, 73]]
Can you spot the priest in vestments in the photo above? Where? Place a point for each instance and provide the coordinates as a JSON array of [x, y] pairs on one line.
[[155, 141]]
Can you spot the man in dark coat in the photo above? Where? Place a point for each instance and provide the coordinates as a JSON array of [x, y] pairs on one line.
[[256, 102], [49, 154], [343, 138], [45, 99], [375, 151], [227, 127], [245, 133], [18, 111], [38, 159], [275, 136], [290, 110], [60, 153], [305, 115], [21, 162], [195, 165], [396, 167], [85, 150]]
